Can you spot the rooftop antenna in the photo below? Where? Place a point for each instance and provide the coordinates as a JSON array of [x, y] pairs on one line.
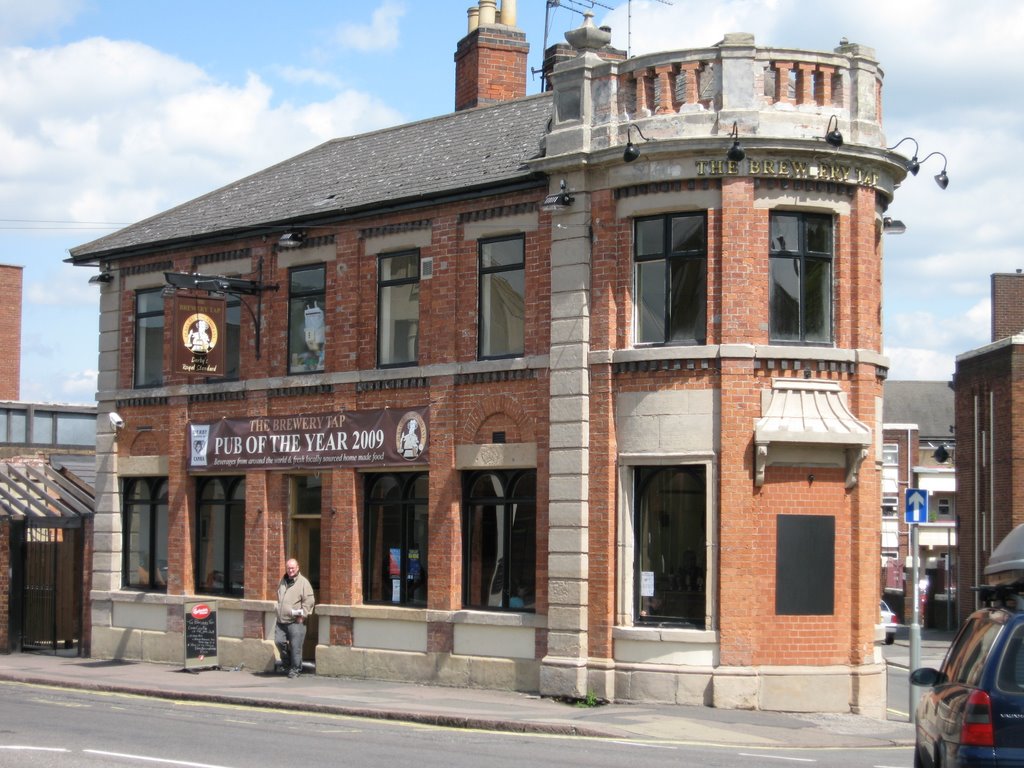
[[629, 25], [576, 6]]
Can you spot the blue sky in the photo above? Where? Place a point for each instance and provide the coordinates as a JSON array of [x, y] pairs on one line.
[[114, 110]]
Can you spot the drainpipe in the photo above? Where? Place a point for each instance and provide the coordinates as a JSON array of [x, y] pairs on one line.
[[977, 510], [991, 472]]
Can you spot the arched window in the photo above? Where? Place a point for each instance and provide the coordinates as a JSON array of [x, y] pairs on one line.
[[396, 538], [500, 541], [220, 536], [144, 531]]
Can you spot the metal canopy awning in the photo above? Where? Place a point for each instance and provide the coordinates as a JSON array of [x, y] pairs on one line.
[[44, 497]]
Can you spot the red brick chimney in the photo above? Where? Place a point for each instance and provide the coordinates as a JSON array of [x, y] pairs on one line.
[[490, 61], [10, 332], [1007, 305]]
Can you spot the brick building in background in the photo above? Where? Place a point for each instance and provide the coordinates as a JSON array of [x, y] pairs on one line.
[[577, 393], [46, 470], [989, 385]]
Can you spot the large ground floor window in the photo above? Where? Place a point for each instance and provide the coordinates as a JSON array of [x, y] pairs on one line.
[[220, 536], [670, 564], [500, 539], [144, 527], [396, 538]]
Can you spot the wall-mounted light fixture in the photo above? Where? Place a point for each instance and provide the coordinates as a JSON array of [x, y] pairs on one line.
[[632, 151], [291, 239], [231, 286], [103, 277], [735, 153], [940, 178], [559, 200], [832, 135], [891, 226], [912, 165]]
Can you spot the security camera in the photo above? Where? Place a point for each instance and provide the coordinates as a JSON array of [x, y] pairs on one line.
[[115, 420]]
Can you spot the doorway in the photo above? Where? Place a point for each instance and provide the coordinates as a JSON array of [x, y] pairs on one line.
[[304, 545]]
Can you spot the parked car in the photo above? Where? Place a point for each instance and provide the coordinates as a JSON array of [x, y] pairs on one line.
[[888, 618], [973, 711]]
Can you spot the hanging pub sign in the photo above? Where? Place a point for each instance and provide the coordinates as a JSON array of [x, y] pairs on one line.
[[200, 335], [377, 438]]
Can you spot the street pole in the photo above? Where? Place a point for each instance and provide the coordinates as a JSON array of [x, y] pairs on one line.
[[915, 621]]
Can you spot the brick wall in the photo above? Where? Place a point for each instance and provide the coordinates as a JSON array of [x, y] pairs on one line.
[[989, 406], [10, 332], [1007, 305], [5, 584]]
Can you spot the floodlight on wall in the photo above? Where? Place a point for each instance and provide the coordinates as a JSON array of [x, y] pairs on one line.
[[291, 239], [891, 226], [832, 135], [912, 165], [735, 153], [632, 151], [559, 200], [102, 278], [940, 178]]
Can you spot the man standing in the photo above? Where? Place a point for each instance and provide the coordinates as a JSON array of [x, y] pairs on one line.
[[294, 605]]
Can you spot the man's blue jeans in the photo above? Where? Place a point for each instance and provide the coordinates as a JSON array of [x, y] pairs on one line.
[[289, 638]]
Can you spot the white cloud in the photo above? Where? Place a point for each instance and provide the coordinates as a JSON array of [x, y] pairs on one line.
[[22, 20], [105, 130], [380, 34]]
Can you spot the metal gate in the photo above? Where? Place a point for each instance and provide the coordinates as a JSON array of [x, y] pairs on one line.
[[52, 588]]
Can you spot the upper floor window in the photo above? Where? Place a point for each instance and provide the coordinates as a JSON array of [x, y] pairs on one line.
[[800, 294], [149, 338], [398, 308], [307, 325], [671, 279], [502, 297], [144, 528], [890, 454]]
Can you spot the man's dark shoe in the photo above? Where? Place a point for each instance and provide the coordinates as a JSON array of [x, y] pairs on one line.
[[293, 673]]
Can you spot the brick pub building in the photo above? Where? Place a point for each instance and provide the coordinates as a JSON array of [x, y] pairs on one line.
[[606, 362]]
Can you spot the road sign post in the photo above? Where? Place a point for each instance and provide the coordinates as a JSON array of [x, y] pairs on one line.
[[916, 512]]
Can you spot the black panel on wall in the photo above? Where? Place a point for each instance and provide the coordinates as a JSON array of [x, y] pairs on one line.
[[805, 571]]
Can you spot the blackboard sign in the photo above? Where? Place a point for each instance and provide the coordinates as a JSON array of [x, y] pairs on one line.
[[200, 634]]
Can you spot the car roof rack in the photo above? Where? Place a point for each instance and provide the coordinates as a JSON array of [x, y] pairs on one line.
[[1009, 595]]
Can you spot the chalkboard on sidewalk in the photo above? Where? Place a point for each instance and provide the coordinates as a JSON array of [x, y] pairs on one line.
[[200, 634]]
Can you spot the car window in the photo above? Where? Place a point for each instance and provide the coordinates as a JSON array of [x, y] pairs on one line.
[[1011, 665], [966, 658]]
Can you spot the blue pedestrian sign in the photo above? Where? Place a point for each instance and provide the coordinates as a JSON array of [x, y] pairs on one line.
[[917, 505]]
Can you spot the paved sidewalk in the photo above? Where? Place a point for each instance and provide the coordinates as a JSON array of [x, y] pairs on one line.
[[459, 707]]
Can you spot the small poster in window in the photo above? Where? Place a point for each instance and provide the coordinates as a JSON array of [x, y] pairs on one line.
[[396, 590], [647, 584], [395, 564]]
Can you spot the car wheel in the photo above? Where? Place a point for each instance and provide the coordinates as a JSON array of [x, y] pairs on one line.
[[890, 638]]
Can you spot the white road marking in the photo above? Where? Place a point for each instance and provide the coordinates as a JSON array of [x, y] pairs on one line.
[[777, 757], [17, 748], [145, 759]]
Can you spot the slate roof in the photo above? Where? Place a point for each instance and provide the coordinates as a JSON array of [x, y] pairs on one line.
[[929, 404], [457, 153]]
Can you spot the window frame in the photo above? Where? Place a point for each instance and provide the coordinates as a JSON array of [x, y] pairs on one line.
[[298, 360], [231, 504], [485, 325], [510, 480], [148, 332], [155, 507], [674, 262], [410, 506], [644, 478], [389, 285], [803, 258]]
